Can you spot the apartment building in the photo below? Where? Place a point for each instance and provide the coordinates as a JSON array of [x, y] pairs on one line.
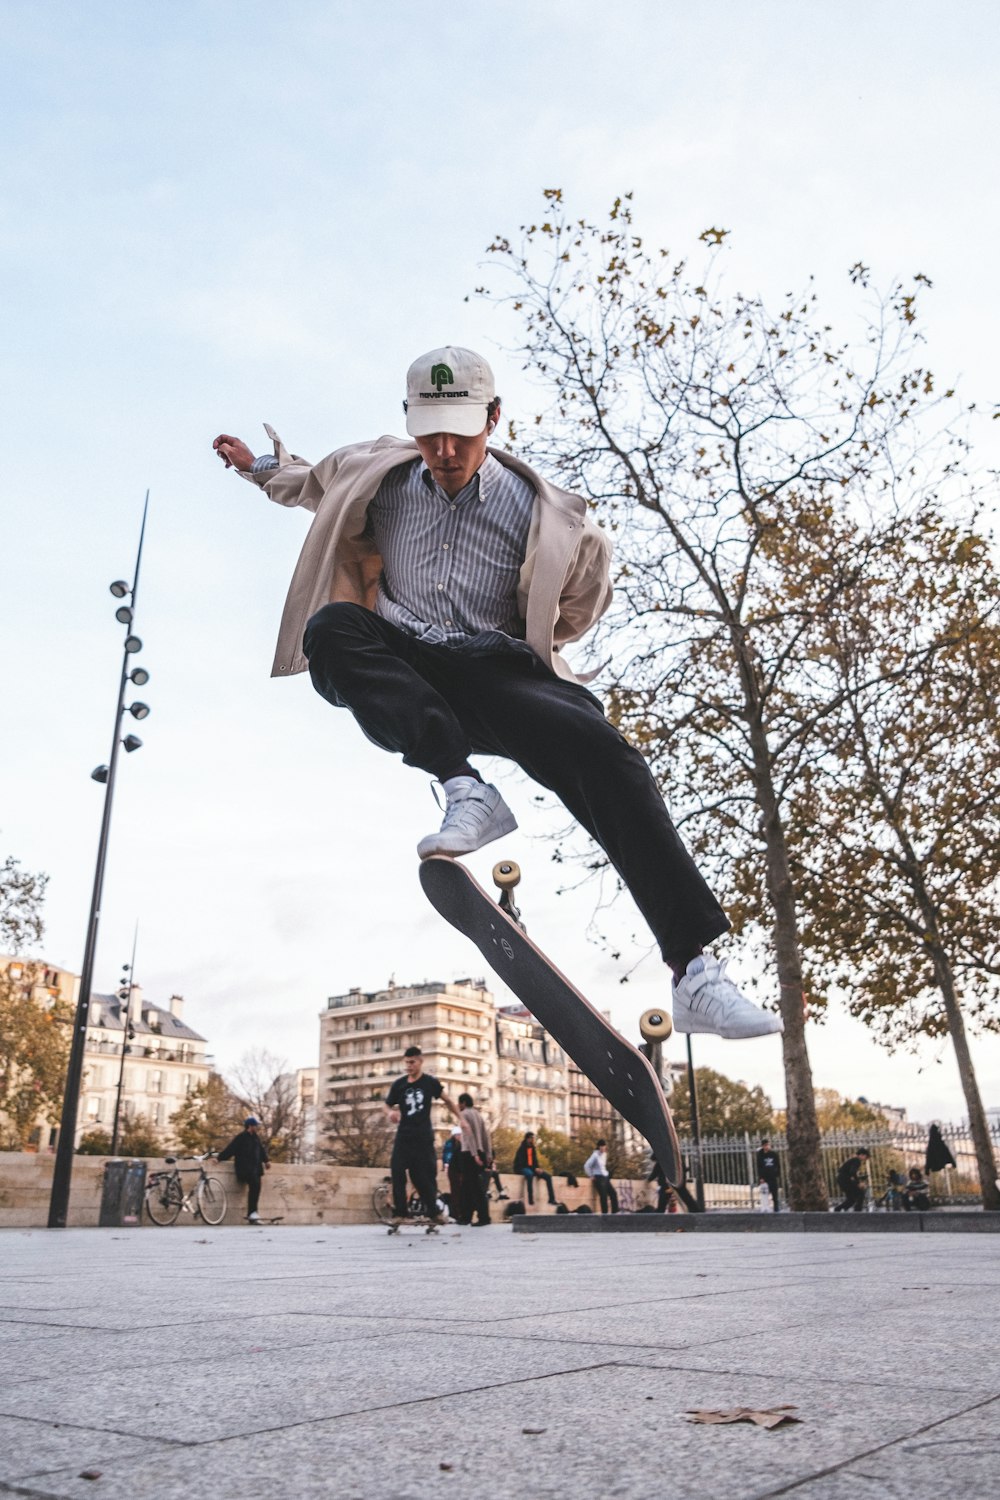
[[533, 1090], [166, 1060], [363, 1036]]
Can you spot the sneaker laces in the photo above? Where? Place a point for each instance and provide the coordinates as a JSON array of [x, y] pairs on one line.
[[468, 811]]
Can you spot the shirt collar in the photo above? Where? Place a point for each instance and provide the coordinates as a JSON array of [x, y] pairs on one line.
[[480, 486]]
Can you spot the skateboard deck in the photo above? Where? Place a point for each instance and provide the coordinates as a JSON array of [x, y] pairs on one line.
[[612, 1064], [427, 1225]]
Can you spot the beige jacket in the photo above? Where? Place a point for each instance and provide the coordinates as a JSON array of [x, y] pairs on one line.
[[564, 586]]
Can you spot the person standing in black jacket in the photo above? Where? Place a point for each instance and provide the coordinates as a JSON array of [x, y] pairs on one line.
[[251, 1161], [767, 1171], [851, 1183]]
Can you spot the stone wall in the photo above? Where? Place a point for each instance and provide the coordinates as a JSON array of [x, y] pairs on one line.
[[303, 1194]]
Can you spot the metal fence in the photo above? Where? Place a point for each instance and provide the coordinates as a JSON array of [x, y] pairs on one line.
[[730, 1174]]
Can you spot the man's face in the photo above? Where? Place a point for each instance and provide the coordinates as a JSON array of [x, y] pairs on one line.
[[451, 459], [414, 1067]]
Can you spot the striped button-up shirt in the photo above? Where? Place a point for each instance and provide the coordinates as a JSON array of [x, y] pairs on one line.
[[450, 564]]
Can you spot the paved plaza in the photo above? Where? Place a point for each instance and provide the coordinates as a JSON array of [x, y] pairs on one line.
[[300, 1362]]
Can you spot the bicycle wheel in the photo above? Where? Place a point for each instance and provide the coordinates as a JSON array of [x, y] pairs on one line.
[[212, 1203], [164, 1197], [382, 1202]]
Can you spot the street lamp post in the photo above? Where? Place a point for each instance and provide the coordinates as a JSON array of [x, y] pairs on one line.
[[699, 1173], [63, 1169], [128, 1032]]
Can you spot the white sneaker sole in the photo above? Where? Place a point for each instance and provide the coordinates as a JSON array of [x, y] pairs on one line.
[[451, 843], [766, 1024]]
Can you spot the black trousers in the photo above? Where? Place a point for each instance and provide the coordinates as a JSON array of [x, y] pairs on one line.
[[473, 1201], [854, 1199], [772, 1187], [532, 1175], [437, 705], [416, 1157], [253, 1193], [606, 1192]]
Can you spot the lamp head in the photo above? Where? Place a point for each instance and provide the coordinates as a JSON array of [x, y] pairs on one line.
[[119, 588]]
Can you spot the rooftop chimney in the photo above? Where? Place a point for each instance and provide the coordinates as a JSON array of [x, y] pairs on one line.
[[177, 1006]]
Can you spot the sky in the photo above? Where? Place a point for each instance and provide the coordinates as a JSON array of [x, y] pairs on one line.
[[221, 214]]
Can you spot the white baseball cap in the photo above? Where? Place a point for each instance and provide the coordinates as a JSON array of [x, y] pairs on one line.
[[448, 390]]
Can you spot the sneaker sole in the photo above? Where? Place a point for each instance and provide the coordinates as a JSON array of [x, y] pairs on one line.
[[773, 1027], [436, 844]]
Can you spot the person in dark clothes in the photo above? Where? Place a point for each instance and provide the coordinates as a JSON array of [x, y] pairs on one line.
[[938, 1155], [250, 1159], [408, 1106], [526, 1163], [917, 1192], [451, 1160], [767, 1171], [852, 1183]]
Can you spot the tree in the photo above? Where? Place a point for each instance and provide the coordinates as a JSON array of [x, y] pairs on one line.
[[725, 1106], [21, 897], [35, 1032], [721, 444], [138, 1136], [897, 836], [264, 1087], [836, 1112], [505, 1144], [209, 1117], [359, 1135], [34, 1022]]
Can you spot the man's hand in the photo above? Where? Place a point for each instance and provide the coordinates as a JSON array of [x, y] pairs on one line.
[[234, 452]]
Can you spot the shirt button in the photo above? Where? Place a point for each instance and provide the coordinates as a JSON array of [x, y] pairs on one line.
[[454, 507], [444, 546], [440, 586]]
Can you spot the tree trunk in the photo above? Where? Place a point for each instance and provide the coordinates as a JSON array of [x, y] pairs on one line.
[[978, 1124], [806, 1183]]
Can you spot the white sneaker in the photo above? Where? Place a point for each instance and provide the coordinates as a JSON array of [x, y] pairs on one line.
[[475, 814], [253, 1218], [706, 1001]]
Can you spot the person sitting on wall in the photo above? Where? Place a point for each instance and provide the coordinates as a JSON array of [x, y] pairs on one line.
[[527, 1164]]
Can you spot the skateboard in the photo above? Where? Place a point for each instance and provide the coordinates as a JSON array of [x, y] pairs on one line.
[[258, 1222], [427, 1225], [621, 1073]]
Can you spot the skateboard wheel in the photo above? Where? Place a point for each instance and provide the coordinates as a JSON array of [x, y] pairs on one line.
[[506, 875], [655, 1025]]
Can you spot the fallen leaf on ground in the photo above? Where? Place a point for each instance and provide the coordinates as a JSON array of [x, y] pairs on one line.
[[533, 1431], [90, 1473], [766, 1416]]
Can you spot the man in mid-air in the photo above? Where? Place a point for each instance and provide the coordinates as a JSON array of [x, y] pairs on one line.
[[436, 589]]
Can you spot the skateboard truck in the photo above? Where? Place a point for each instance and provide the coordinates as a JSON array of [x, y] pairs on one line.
[[655, 1026], [506, 875]]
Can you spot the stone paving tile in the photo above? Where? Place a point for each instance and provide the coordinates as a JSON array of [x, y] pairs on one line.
[[613, 1432], [33, 1447], [242, 1394], [960, 1456], [250, 1334]]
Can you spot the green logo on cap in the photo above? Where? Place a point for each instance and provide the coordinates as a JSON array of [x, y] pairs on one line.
[[441, 375]]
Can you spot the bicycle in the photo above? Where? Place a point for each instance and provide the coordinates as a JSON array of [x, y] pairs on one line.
[[383, 1206], [166, 1198]]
